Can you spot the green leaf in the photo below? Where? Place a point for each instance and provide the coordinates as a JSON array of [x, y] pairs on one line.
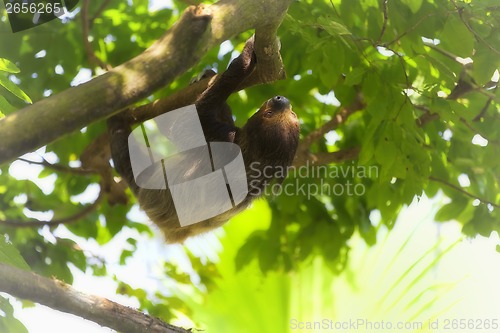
[[269, 256], [332, 27], [485, 64], [10, 255], [456, 38], [7, 66], [247, 252], [355, 76], [366, 229], [366, 153], [437, 165], [124, 255], [485, 3], [328, 234], [10, 86], [8, 323], [86, 227], [414, 5], [73, 254], [451, 211], [5, 106], [116, 218], [386, 152]]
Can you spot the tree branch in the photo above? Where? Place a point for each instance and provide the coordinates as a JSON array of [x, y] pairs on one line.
[[460, 11], [384, 24], [66, 220], [92, 57], [59, 167], [484, 110], [461, 190], [184, 97], [199, 29], [339, 118], [303, 151], [99, 11], [267, 50], [323, 158], [427, 117], [269, 68], [398, 37], [60, 296]]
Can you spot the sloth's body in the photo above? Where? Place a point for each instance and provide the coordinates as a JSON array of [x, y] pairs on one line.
[[268, 140]]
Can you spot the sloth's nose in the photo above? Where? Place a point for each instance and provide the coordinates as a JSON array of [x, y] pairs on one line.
[[280, 102]]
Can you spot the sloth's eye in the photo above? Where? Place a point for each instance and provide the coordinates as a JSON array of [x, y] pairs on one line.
[[268, 114]]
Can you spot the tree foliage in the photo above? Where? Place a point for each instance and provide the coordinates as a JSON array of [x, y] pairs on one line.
[[419, 81]]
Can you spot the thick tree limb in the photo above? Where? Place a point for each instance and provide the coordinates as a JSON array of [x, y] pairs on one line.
[[184, 97], [269, 68], [267, 50], [199, 29], [61, 296]]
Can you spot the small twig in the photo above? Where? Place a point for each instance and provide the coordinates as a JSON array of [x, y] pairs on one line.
[[467, 25], [323, 158], [339, 118], [334, 9], [86, 43], [426, 118], [63, 297], [475, 130], [409, 30], [67, 220], [488, 94], [421, 107], [303, 151], [464, 192], [485, 107], [443, 52], [403, 65], [384, 24], [59, 167]]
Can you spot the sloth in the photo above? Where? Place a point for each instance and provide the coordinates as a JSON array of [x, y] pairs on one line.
[[267, 141]]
